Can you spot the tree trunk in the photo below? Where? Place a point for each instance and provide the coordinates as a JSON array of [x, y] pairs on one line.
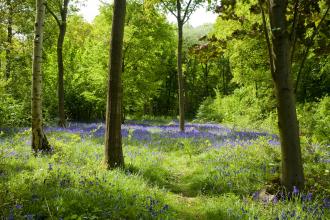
[[292, 169], [113, 144], [60, 64], [60, 42], [179, 64], [39, 140], [9, 38]]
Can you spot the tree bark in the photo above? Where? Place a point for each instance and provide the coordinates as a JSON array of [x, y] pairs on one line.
[[292, 169], [9, 38], [39, 140], [61, 23], [113, 143], [179, 65], [60, 64], [60, 42]]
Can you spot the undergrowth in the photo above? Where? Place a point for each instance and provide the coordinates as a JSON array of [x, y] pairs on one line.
[[207, 173]]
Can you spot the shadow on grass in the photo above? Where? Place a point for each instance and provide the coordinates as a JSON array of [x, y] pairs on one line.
[[163, 178], [190, 185], [62, 197], [158, 176], [10, 170], [188, 204], [66, 196]]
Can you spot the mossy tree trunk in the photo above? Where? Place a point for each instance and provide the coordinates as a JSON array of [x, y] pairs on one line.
[[292, 168], [113, 143]]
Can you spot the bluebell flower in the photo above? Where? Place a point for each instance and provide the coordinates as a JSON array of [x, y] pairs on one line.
[[295, 190], [11, 215], [255, 195], [18, 206], [307, 197], [326, 203]]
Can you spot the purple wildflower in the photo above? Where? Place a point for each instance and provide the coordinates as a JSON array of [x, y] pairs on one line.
[[18, 206], [295, 191], [11, 215], [307, 197], [326, 203], [255, 196]]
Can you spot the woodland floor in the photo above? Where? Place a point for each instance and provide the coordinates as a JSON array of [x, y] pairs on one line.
[[208, 172]]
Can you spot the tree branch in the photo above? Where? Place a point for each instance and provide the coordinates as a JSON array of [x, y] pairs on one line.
[[168, 9], [54, 15], [293, 34], [269, 46], [186, 11], [188, 16], [295, 19]]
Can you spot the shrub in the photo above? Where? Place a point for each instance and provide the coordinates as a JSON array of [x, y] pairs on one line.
[[314, 120], [12, 112], [241, 109]]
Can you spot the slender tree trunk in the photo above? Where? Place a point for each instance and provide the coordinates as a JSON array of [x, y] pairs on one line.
[[180, 76], [113, 143], [123, 115], [61, 22], [292, 169], [9, 38], [60, 64], [60, 42], [39, 140]]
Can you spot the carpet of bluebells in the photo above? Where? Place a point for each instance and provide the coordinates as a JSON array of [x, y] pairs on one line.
[[210, 171]]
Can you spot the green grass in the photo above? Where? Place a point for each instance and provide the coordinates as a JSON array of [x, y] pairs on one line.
[[172, 179]]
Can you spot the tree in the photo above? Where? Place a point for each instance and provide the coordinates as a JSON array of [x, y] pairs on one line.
[[281, 43], [13, 15], [149, 40], [9, 37], [280, 48], [206, 52], [113, 143], [181, 10], [39, 140], [61, 21]]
